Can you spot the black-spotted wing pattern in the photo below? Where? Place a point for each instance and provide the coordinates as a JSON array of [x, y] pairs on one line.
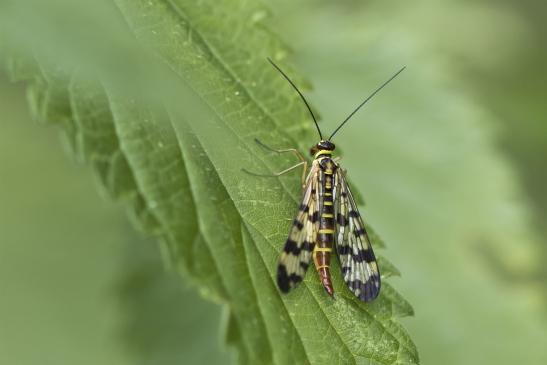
[[357, 261], [297, 252]]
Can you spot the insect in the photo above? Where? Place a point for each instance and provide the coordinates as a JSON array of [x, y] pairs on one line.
[[327, 217]]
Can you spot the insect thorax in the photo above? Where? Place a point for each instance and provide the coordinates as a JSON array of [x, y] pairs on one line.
[[326, 163]]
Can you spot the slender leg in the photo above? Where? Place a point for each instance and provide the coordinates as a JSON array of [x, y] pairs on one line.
[[277, 173], [292, 150], [303, 161]]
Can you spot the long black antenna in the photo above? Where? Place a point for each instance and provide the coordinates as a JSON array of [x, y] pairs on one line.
[[364, 102], [299, 93]]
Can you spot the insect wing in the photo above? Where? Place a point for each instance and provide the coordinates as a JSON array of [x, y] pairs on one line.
[[295, 258], [357, 261]]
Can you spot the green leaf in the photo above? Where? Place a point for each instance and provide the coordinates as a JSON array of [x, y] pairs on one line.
[[175, 154]]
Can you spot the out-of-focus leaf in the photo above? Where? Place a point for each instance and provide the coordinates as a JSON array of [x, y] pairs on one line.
[[164, 323], [87, 253], [58, 260]]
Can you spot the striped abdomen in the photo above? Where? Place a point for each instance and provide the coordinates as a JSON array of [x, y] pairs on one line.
[[325, 234]]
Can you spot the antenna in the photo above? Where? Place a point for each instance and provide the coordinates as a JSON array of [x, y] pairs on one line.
[[364, 102], [299, 93]]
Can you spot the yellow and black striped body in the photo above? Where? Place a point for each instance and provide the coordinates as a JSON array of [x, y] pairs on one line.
[[328, 217], [326, 230]]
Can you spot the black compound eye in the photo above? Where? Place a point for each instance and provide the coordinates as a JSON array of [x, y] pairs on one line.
[[326, 145]]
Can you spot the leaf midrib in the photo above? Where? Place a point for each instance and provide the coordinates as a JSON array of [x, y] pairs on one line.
[[202, 229]]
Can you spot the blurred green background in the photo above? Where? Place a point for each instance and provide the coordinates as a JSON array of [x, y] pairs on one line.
[[450, 159], [78, 284]]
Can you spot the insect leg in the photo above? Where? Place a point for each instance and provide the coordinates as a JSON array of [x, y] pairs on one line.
[[293, 150], [303, 163], [297, 153]]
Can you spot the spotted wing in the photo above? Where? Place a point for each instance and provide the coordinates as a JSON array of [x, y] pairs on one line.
[[357, 260], [296, 255]]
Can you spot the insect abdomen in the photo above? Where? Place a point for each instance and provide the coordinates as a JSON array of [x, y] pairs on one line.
[[325, 234]]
